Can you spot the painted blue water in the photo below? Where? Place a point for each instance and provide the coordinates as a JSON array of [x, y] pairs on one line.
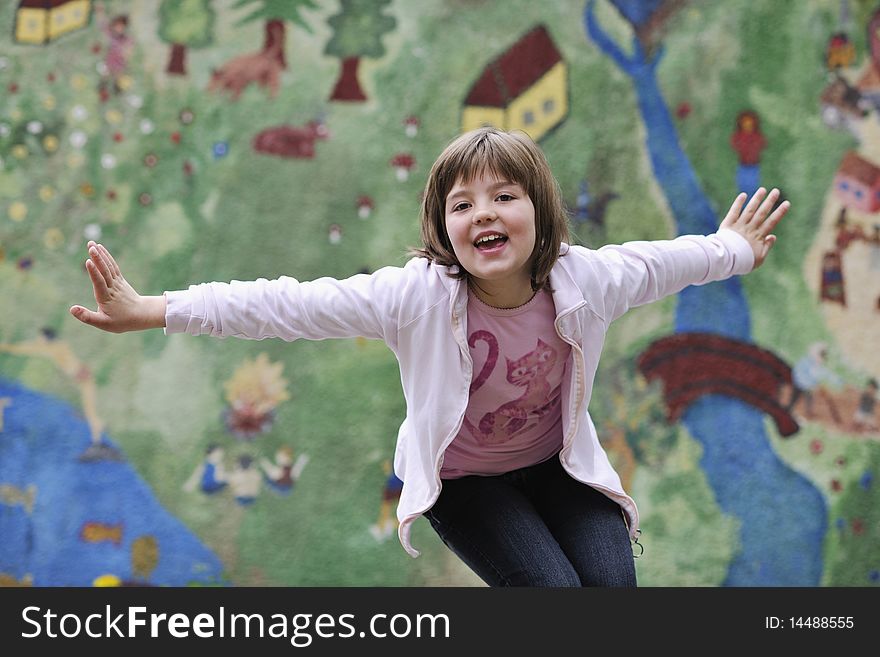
[[40, 443], [782, 516], [748, 178]]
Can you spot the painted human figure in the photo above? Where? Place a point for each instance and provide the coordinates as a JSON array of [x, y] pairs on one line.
[[386, 523], [283, 474], [808, 375], [48, 346], [119, 47], [245, 481], [832, 286], [748, 141], [210, 475]]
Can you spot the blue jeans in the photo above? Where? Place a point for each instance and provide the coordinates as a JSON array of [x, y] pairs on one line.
[[536, 526]]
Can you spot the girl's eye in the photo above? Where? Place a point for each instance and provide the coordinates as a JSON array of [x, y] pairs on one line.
[[459, 206], [505, 197]]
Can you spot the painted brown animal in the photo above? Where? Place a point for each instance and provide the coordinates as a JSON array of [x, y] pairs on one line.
[[291, 141], [260, 68]]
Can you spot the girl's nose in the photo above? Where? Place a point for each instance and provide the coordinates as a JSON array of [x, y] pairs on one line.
[[484, 216]]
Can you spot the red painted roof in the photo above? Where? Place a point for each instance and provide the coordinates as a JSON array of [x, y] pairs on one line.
[[42, 4], [859, 168], [515, 70]]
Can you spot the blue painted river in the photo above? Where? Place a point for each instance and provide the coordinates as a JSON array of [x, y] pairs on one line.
[[64, 522]]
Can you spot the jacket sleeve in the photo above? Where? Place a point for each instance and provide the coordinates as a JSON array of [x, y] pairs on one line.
[[624, 276], [366, 305]]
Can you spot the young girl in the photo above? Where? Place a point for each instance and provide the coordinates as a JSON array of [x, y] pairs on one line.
[[497, 324]]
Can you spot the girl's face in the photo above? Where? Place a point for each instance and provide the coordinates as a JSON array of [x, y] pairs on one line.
[[491, 224]]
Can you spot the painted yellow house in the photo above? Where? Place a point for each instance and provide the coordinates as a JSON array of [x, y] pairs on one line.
[[42, 21], [525, 88]]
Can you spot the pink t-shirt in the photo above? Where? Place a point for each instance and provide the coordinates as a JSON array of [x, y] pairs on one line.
[[513, 418]]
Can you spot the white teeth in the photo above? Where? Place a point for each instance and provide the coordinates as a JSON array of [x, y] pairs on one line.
[[488, 238]]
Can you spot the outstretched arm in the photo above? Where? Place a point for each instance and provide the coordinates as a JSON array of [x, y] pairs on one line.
[[120, 307], [755, 222]]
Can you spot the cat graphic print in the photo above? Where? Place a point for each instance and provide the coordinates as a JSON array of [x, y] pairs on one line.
[[530, 371]]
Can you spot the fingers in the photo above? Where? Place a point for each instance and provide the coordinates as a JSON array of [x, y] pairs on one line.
[[757, 214], [111, 263], [752, 207], [99, 282], [767, 205], [100, 261], [770, 222], [84, 315], [736, 208], [763, 249], [769, 241], [760, 205]]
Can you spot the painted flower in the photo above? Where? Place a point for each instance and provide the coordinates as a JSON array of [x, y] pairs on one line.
[[17, 211], [92, 232], [79, 113], [78, 138], [79, 82], [53, 238]]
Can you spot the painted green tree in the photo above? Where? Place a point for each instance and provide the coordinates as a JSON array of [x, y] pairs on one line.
[[185, 24], [263, 67], [357, 32]]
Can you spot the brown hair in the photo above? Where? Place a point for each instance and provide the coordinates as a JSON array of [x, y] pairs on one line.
[[513, 156]]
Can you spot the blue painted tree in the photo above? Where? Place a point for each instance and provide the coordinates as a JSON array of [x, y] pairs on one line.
[[782, 516]]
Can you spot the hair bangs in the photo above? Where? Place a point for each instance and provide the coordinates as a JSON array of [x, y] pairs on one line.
[[485, 152]]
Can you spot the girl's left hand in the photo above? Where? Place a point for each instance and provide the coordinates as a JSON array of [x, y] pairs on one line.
[[755, 222]]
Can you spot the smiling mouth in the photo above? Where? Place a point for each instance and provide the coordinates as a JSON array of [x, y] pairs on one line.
[[490, 241]]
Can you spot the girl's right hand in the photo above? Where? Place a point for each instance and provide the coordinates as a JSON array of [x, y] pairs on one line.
[[120, 307]]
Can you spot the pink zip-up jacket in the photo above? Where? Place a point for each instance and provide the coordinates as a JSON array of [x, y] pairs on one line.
[[421, 314]]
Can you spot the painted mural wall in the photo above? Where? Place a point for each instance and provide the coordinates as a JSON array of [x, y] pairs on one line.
[[235, 139]]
